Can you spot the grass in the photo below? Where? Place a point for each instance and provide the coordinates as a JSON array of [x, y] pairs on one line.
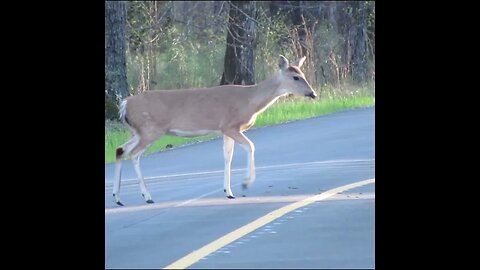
[[284, 110], [290, 110]]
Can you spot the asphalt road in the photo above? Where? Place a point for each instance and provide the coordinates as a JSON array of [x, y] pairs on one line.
[[294, 161]]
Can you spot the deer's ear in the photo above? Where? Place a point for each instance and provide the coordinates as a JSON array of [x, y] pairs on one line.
[[283, 63], [299, 62]]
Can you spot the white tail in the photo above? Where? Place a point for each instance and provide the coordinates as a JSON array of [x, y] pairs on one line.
[[122, 112], [226, 109]]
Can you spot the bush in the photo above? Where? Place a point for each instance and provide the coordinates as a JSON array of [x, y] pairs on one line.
[[111, 109]]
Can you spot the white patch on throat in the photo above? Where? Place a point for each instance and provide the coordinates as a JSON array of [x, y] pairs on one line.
[[268, 105]]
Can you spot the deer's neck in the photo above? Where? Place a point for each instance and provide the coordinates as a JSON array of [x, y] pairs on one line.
[[266, 93]]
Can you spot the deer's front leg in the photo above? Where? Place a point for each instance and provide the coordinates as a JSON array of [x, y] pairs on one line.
[[250, 148], [228, 145]]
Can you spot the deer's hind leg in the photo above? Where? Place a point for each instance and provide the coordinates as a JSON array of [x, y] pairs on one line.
[[121, 152], [136, 154]]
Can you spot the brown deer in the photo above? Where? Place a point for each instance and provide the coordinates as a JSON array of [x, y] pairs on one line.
[[226, 109]]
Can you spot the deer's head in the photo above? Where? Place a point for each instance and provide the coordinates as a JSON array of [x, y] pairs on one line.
[[292, 79]]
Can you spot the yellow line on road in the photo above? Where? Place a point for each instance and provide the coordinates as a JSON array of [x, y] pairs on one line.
[[198, 254]]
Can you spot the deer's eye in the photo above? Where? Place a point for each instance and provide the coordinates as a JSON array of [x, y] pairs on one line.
[[295, 78]]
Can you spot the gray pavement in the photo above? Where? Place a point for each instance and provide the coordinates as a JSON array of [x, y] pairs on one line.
[[294, 161]]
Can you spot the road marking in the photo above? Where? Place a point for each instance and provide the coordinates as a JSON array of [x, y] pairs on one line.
[[201, 201], [208, 249], [334, 162]]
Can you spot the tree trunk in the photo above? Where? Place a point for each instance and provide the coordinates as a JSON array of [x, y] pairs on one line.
[[116, 86], [359, 61], [239, 66]]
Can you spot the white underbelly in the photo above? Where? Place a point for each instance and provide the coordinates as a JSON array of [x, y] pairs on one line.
[[192, 133]]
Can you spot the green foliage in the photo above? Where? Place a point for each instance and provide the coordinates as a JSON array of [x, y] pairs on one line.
[[111, 109], [185, 63], [176, 45], [272, 40]]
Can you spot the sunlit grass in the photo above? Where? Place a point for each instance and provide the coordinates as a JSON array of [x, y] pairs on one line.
[[289, 110]]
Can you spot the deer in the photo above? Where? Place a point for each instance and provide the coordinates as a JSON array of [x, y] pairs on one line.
[[227, 109]]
